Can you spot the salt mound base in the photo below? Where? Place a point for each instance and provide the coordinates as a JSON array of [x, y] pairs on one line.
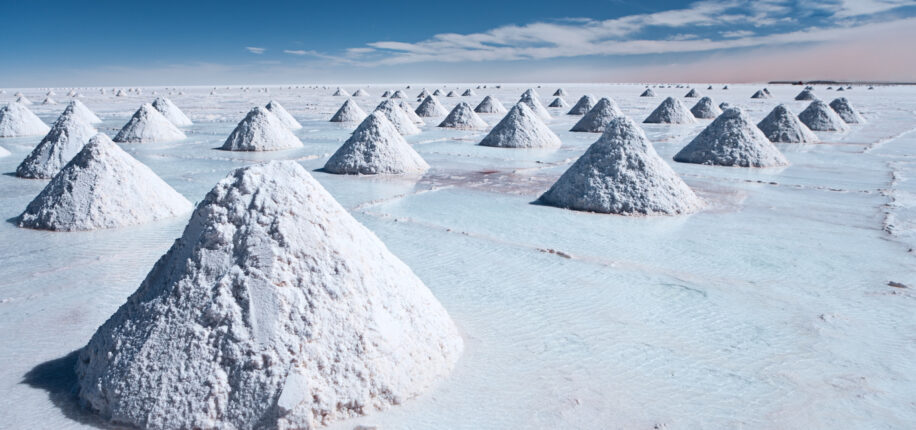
[[760, 95], [731, 140], [399, 94], [693, 93], [705, 109], [148, 125], [430, 107], [84, 112], [806, 94], [845, 110], [409, 110], [361, 93], [171, 112], [782, 126], [559, 93], [398, 117], [648, 93], [275, 309], [558, 103], [341, 93], [284, 116], [622, 174], [490, 104], [585, 104], [261, 130], [535, 105], [596, 119], [349, 112], [374, 148], [468, 93], [521, 128], [820, 117], [671, 111], [67, 137], [463, 117], [16, 120], [102, 187]]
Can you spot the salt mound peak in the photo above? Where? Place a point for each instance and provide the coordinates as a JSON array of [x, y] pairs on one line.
[[693, 93], [399, 94], [530, 92], [277, 109], [648, 93], [409, 110], [340, 92], [845, 110], [521, 128], [463, 117], [102, 187], [806, 94], [349, 112], [84, 112], [559, 93], [622, 174], [760, 94], [261, 130], [398, 117], [490, 104], [275, 309], [48, 101], [148, 125], [818, 116], [374, 148], [671, 111], [535, 105], [782, 126], [585, 104], [171, 112], [452, 94], [731, 140], [423, 94], [361, 93], [598, 117], [437, 92], [468, 93], [387, 93], [705, 109], [558, 103], [430, 107], [67, 137], [16, 120]]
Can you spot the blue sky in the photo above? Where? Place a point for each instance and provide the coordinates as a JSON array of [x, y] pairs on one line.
[[56, 43]]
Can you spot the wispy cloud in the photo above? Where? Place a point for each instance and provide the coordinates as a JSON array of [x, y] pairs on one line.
[[737, 33], [295, 52], [255, 50]]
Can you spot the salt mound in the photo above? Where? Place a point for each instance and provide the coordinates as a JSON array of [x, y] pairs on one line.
[[50, 93], [596, 119], [275, 309], [423, 94], [102, 187], [349, 112], [121, 93], [490, 104], [530, 92], [23, 100], [341, 93], [648, 93], [468, 93], [693, 93], [558, 103], [399, 94], [387, 93], [463, 117], [284, 116], [671, 111], [709, 87], [559, 93], [820, 117], [171, 112], [67, 137], [782, 126], [48, 101], [535, 105], [724, 105], [430, 107], [261, 130], [16, 120], [806, 94], [361, 93], [84, 112], [731, 140], [705, 109], [845, 110], [585, 104], [452, 94], [521, 128], [148, 125], [4, 152], [398, 117], [374, 148], [767, 91], [760, 95], [409, 110], [437, 93], [621, 173]]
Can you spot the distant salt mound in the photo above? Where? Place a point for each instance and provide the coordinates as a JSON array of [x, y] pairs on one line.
[[148, 125], [361, 93], [398, 117], [261, 130], [340, 92], [277, 109], [760, 95], [409, 110], [559, 93], [16, 120], [48, 101], [490, 104], [102, 187], [387, 93], [375, 148], [50, 93], [782, 126], [530, 92], [806, 94], [709, 87], [171, 112], [535, 105], [4, 152], [845, 110], [430, 107], [349, 112], [648, 93], [705, 109], [521, 128], [724, 105], [399, 94], [818, 116], [693, 93], [67, 137], [596, 119], [80, 110], [437, 93], [121, 93], [463, 117], [275, 309], [671, 111], [731, 140], [622, 174], [423, 94], [23, 100], [452, 94], [558, 103], [468, 93], [767, 91], [585, 104]]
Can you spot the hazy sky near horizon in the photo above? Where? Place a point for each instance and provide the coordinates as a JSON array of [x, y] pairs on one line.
[[57, 43]]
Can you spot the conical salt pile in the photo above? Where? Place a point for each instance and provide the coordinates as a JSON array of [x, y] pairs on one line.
[[399, 94], [398, 117], [50, 93], [340, 92], [671, 111], [463, 117], [521, 128], [535, 105], [430, 107], [67, 137], [818, 116], [585, 104], [121, 93], [287, 119], [275, 309], [23, 100], [693, 93], [102, 187], [171, 112], [845, 110], [530, 92], [16, 120], [760, 95], [490, 104], [80, 110], [437, 93], [767, 91], [705, 109], [732, 140], [559, 93], [409, 110], [4, 152], [374, 148], [387, 93], [648, 93], [468, 93], [709, 87], [349, 112], [558, 103], [596, 119], [452, 94], [48, 101], [361, 93], [148, 125], [782, 126], [724, 105], [806, 94], [261, 130], [622, 174], [423, 94]]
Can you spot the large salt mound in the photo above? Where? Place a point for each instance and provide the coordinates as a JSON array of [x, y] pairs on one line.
[[782, 126], [693, 93], [67, 137], [341, 93], [409, 110], [490, 104], [806, 94], [17, 120], [275, 309], [102, 187], [84, 112], [468, 93], [760, 94], [374, 148], [585, 104], [349, 112], [171, 112], [261, 130], [559, 93], [423, 94], [845, 110], [596, 119], [148, 125], [621, 173], [705, 109], [398, 117], [648, 93], [731, 140], [530, 92], [521, 128], [277, 109], [361, 93], [671, 111], [818, 116], [558, 103], [430, 107], [463, 117], [535, 105], [399, 94]]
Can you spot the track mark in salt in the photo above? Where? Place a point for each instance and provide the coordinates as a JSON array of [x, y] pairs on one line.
[[885, 140]]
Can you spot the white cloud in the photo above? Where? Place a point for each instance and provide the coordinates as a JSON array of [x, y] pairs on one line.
[[737, 33], [295, 52], [255, 50]]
